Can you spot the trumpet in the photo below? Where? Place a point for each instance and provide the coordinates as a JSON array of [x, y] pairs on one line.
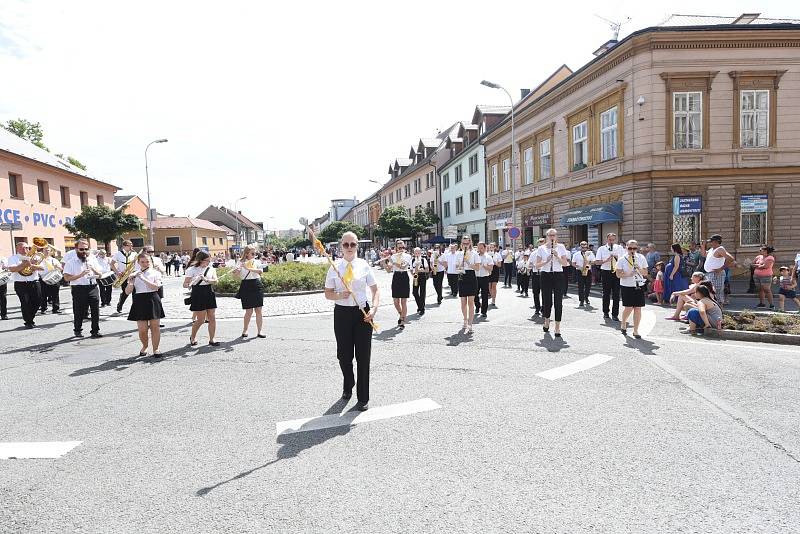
[[38, 246]]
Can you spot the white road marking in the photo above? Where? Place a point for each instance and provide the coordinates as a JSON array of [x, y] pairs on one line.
[[36, 449], [575, 367], [350, 418]]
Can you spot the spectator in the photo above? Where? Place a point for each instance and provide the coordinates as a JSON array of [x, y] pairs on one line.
[[686, 298], [653, 257], [787, 286], [708, 314], [673, 277], [763, 276], [693, 258]]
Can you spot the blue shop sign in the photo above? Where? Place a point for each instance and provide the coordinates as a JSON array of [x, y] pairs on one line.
[[687, 205], [753, 203]]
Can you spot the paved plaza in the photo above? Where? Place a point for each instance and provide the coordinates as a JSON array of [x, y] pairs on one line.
[[504, 430]]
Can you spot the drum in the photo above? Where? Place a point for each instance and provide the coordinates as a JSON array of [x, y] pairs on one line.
[[5, 276], [52, 278], [107, 279]]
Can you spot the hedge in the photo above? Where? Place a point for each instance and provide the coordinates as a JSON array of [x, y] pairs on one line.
[[280, 278]]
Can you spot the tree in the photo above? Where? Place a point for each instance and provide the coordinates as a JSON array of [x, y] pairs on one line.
[[395, 222], [104, 224], [424, 221], [334, 231], [75, 163], [32, 131]]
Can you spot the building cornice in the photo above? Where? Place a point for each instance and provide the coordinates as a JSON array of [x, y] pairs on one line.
[[51, 168]]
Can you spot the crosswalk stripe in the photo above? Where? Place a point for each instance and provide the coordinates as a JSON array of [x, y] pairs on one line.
[[36, 449], [575, 367]]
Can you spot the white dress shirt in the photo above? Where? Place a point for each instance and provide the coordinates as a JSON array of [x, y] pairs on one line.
[[191, 272], [363, 278], [17, 259], [50, 264], [152, 275], [400, 261], [630, 277], [486, 265], [472, 259], [552, 264], [76, 266], [249, 275], [508, 255], [123, 260], [104, 263], [450, 258], [577, 259], [603, 253]]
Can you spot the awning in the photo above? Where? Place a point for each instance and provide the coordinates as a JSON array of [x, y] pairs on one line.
[[596, 214], [437, 239]]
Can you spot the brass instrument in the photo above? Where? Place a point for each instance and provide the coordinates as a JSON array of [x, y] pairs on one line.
[[613, 259], [585, 268], [129, 267], [38, 246], [416, 272]]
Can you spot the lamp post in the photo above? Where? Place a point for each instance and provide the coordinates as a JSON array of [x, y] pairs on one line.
[[513, 183], [149, 206], [236, 216]]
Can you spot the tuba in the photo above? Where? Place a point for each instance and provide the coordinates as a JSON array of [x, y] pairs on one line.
[[38, 245]]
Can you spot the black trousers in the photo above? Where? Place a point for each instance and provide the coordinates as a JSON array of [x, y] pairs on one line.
[[610, 292], [482, 298], [568, 273], [49, 294], [536, 289], [438, 278], [522, 282], [3, 301], [29, 299], [168, 267], [419, 290], [584, 285], [353, 338], [86, 298], [452, 281], [508, 273], [552, 293], [122, 296], [105, 294]]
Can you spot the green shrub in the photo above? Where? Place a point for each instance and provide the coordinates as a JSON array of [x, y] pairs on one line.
[[280, 278]]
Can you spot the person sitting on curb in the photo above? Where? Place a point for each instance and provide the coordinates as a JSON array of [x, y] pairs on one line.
[[685, 299], [708, 314]]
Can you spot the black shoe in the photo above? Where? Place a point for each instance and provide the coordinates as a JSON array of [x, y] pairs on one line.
[[157, 355], [606, 316], [545, 329], [760, 305], [615, 319], [362, 407], [624, 332], [4, 318], [28, 326], [346, 394], [96, 335], [119, 309], [42, 312], [557, 334], [214, 343], [484, 315], [78, 333]]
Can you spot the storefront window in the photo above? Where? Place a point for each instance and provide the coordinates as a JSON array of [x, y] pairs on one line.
[[753, 222]]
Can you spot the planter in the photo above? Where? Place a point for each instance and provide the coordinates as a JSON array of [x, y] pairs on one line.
[[284, 294], [759, 337]]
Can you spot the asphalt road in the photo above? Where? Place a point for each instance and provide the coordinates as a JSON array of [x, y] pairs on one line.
[[669, 434]]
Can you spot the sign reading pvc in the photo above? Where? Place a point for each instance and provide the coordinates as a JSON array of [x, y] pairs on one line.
[[687, 205], [753, 203], [44, 220]]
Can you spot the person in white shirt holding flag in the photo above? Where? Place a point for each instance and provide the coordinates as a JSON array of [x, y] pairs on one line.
[[631, 269]]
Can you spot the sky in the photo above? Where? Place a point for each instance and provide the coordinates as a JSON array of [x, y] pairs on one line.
[[289, 104]]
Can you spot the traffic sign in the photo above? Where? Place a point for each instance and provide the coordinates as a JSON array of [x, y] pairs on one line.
[[514, 232], [10, 227], [451, 232]]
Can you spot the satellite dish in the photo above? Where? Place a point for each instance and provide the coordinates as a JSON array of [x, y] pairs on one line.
[[303, 221]]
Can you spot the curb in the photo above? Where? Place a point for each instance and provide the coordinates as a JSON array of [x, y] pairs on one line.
[[758, 337], [284, 294]]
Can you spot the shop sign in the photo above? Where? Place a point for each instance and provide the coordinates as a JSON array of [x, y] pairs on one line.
[[687, 205], [450, 232], [43, 220], [537, 219], [593, 236], [753, 204], [498, 215], [500, 224]]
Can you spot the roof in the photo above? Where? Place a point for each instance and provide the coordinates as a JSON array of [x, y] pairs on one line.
[[242, 219], [430, 142], [122, 200], [12, 143], [492, 110], [706, 20], [185, 222], [403, 162]]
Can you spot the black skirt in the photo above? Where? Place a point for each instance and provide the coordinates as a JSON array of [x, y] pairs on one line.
[[632, 297], [146, 307], [467, 284], [495, 274], [203, 298], [401, 288], [251, 292]]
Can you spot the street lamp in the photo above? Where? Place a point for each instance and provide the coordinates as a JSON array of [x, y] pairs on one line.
[[149, 206], [236, 216], [493, 85]]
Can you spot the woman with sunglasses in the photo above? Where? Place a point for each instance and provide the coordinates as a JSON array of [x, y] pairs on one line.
[[551, 258], [632, 272], [146, 309], [467, 261], [350, 325], [201, 277], [399, 263]]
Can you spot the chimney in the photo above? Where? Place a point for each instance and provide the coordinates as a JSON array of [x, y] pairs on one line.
[[524, 93]]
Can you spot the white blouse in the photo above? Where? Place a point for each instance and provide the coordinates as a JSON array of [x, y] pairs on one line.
[[400, 261], [152, 275], [630, 277], [248, 275], [191, 272], [551, 265], [363, 278], [472, 259], [486, 265]]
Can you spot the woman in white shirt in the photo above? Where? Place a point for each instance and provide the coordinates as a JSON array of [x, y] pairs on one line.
[[632, 271], [201, 277], [551, 258], [484, 276], [251, 291], [352, 316], [495, 276], [146, 309], [467, 261], [399, 263]]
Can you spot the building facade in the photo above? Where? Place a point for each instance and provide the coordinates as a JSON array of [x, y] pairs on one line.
[[671, 135], [41, 193], [249, 232], [184, 234]]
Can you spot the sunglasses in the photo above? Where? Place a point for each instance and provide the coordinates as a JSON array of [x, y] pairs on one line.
[[633, 248], [349, 245], [82, 249], [401, 247]]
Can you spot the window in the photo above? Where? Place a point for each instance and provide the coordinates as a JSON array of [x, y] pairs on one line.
[[137, 242], [459, 205], [419, 185], [458, 173], [430, 180], [687, 117], [754, 119], [506, 175], [205, 241], [494, 179], [431, 206], [407, 190], [391, 198], [65, 196], [446, 209], [173, 241], [580, 146], [527, 176], [14, 185], [398, 194], [545, 160], [446, 180], [474, 200], [84, 198], [44, 191], [608, 134], [100, 200], [754, 229], [473, 164]]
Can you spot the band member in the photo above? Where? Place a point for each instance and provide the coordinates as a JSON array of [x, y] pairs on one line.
[[631, 270], [438, 276], [495, 276], [484, 277], [582, 261], [449, 262], [146, 309], [420, 267], [25, 286], [523, 275], [536, 280], [201, 278], [251, 291], [82, 272], [119, 263], [157, 264], [607, 257], [399, 264], [517, 257], [105, 267], [716, 257], [551, 257], [350, 325], [467, 261], [49, 291], [3, 291], [508, 265]]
